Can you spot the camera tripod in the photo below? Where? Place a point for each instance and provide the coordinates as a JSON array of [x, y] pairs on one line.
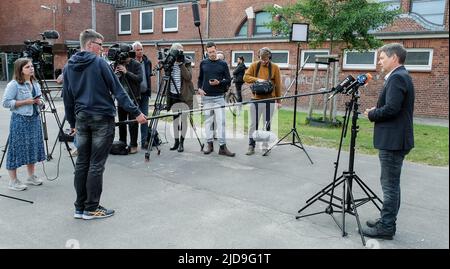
[[46, 92], [347, 203], [158, 107]]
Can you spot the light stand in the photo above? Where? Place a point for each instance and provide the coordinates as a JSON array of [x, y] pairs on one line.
[[299, 33], [347, 203]]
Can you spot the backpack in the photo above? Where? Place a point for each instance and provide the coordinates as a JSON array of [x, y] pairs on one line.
[[119, 148]]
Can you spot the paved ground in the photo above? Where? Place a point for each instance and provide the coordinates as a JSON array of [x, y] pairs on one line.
[[190, 200]]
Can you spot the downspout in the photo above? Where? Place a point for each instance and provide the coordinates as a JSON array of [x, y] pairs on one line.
[[207, 18]]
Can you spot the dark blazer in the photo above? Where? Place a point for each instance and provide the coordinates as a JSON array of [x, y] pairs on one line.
[[393, 115]]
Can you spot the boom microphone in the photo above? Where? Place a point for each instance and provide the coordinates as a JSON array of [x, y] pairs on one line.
[[196, 13]]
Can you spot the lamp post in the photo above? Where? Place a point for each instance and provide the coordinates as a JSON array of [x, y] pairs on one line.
[[53, 9]]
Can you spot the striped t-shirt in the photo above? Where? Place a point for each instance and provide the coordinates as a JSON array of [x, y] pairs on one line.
[[176, 76]]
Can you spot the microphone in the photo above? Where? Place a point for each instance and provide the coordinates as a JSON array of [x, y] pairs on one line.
[[350, 83], [196, 13], [363, 79]]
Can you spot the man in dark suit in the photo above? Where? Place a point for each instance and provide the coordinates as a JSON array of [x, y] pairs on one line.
[[393, 135]]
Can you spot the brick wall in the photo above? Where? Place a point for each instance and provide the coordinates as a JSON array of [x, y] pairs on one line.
[[224, 21]]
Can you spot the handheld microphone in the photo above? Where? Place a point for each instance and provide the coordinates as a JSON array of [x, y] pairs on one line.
[[196, 13], [343, 85]]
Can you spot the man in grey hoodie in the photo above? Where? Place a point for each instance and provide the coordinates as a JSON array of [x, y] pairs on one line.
[[89, 83]]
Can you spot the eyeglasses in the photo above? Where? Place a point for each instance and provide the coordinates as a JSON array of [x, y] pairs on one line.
[[100, 44]]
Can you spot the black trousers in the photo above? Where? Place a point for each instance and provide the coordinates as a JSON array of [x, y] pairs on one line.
[[133, 128]]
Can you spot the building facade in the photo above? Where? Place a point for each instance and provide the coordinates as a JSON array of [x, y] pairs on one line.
[[237, 27]]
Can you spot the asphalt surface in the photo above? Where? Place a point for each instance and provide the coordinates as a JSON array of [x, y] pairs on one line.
[[191, 200]]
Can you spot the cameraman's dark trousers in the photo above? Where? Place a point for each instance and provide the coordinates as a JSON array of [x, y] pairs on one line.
[[133, 128], [95, 135]]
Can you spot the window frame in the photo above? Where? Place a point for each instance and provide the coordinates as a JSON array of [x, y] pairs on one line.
[[173, 29], [426, 68], [247, 63], [424, 15], [313, 65], [146, 31], [255, 33], [120, 23], [282, 65], [372, 67]]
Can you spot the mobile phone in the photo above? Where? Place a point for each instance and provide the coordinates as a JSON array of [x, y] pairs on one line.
[[36, 97], [211, 80]]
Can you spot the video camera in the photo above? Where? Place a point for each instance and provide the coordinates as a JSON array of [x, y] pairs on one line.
[[167, 58], [35, 48], [119, 53]]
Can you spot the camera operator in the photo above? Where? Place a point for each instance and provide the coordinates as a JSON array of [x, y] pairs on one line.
[[145, 86], [89, 83], [213, 80], [180, 95], [260, 71], [130, 76]]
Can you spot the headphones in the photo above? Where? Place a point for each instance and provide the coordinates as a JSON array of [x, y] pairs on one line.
[[266, 51]]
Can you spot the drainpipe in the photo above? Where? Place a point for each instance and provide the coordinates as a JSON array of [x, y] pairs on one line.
[[208, 7], [94, 23]]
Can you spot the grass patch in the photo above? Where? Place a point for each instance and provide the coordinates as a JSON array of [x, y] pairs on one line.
[[431, 142]]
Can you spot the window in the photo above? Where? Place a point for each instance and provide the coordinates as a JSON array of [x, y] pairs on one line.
[[310, 63], [419, 59], [281, 57], [125, 23], [262, 18], [247, 54], [170, 19], [146, 21], [190, 54], [243, 30], [391, 4], [430, 10], [357, 60]]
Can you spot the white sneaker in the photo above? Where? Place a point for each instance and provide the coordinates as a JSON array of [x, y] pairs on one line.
[[34, 180], [16, 185]]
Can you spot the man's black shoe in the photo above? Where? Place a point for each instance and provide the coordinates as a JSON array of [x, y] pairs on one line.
[[377, 232]]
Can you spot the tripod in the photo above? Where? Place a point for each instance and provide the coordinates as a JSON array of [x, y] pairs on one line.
[[347, 203], [158, 106], [293, 131], [48, 97], [1, 162]]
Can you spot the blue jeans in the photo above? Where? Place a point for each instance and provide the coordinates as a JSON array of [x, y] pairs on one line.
[[143, 107], [391, 166], [95, 135]]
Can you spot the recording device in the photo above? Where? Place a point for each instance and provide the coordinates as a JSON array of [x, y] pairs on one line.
[[36, 97], [349, 84], [119, 53], [167, 58], [196, 13], [34, 49]]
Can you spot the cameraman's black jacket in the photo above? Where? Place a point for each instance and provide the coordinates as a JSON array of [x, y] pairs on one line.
[[134, 77]]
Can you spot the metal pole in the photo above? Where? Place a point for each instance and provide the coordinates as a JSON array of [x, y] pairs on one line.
[[94, 23]]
